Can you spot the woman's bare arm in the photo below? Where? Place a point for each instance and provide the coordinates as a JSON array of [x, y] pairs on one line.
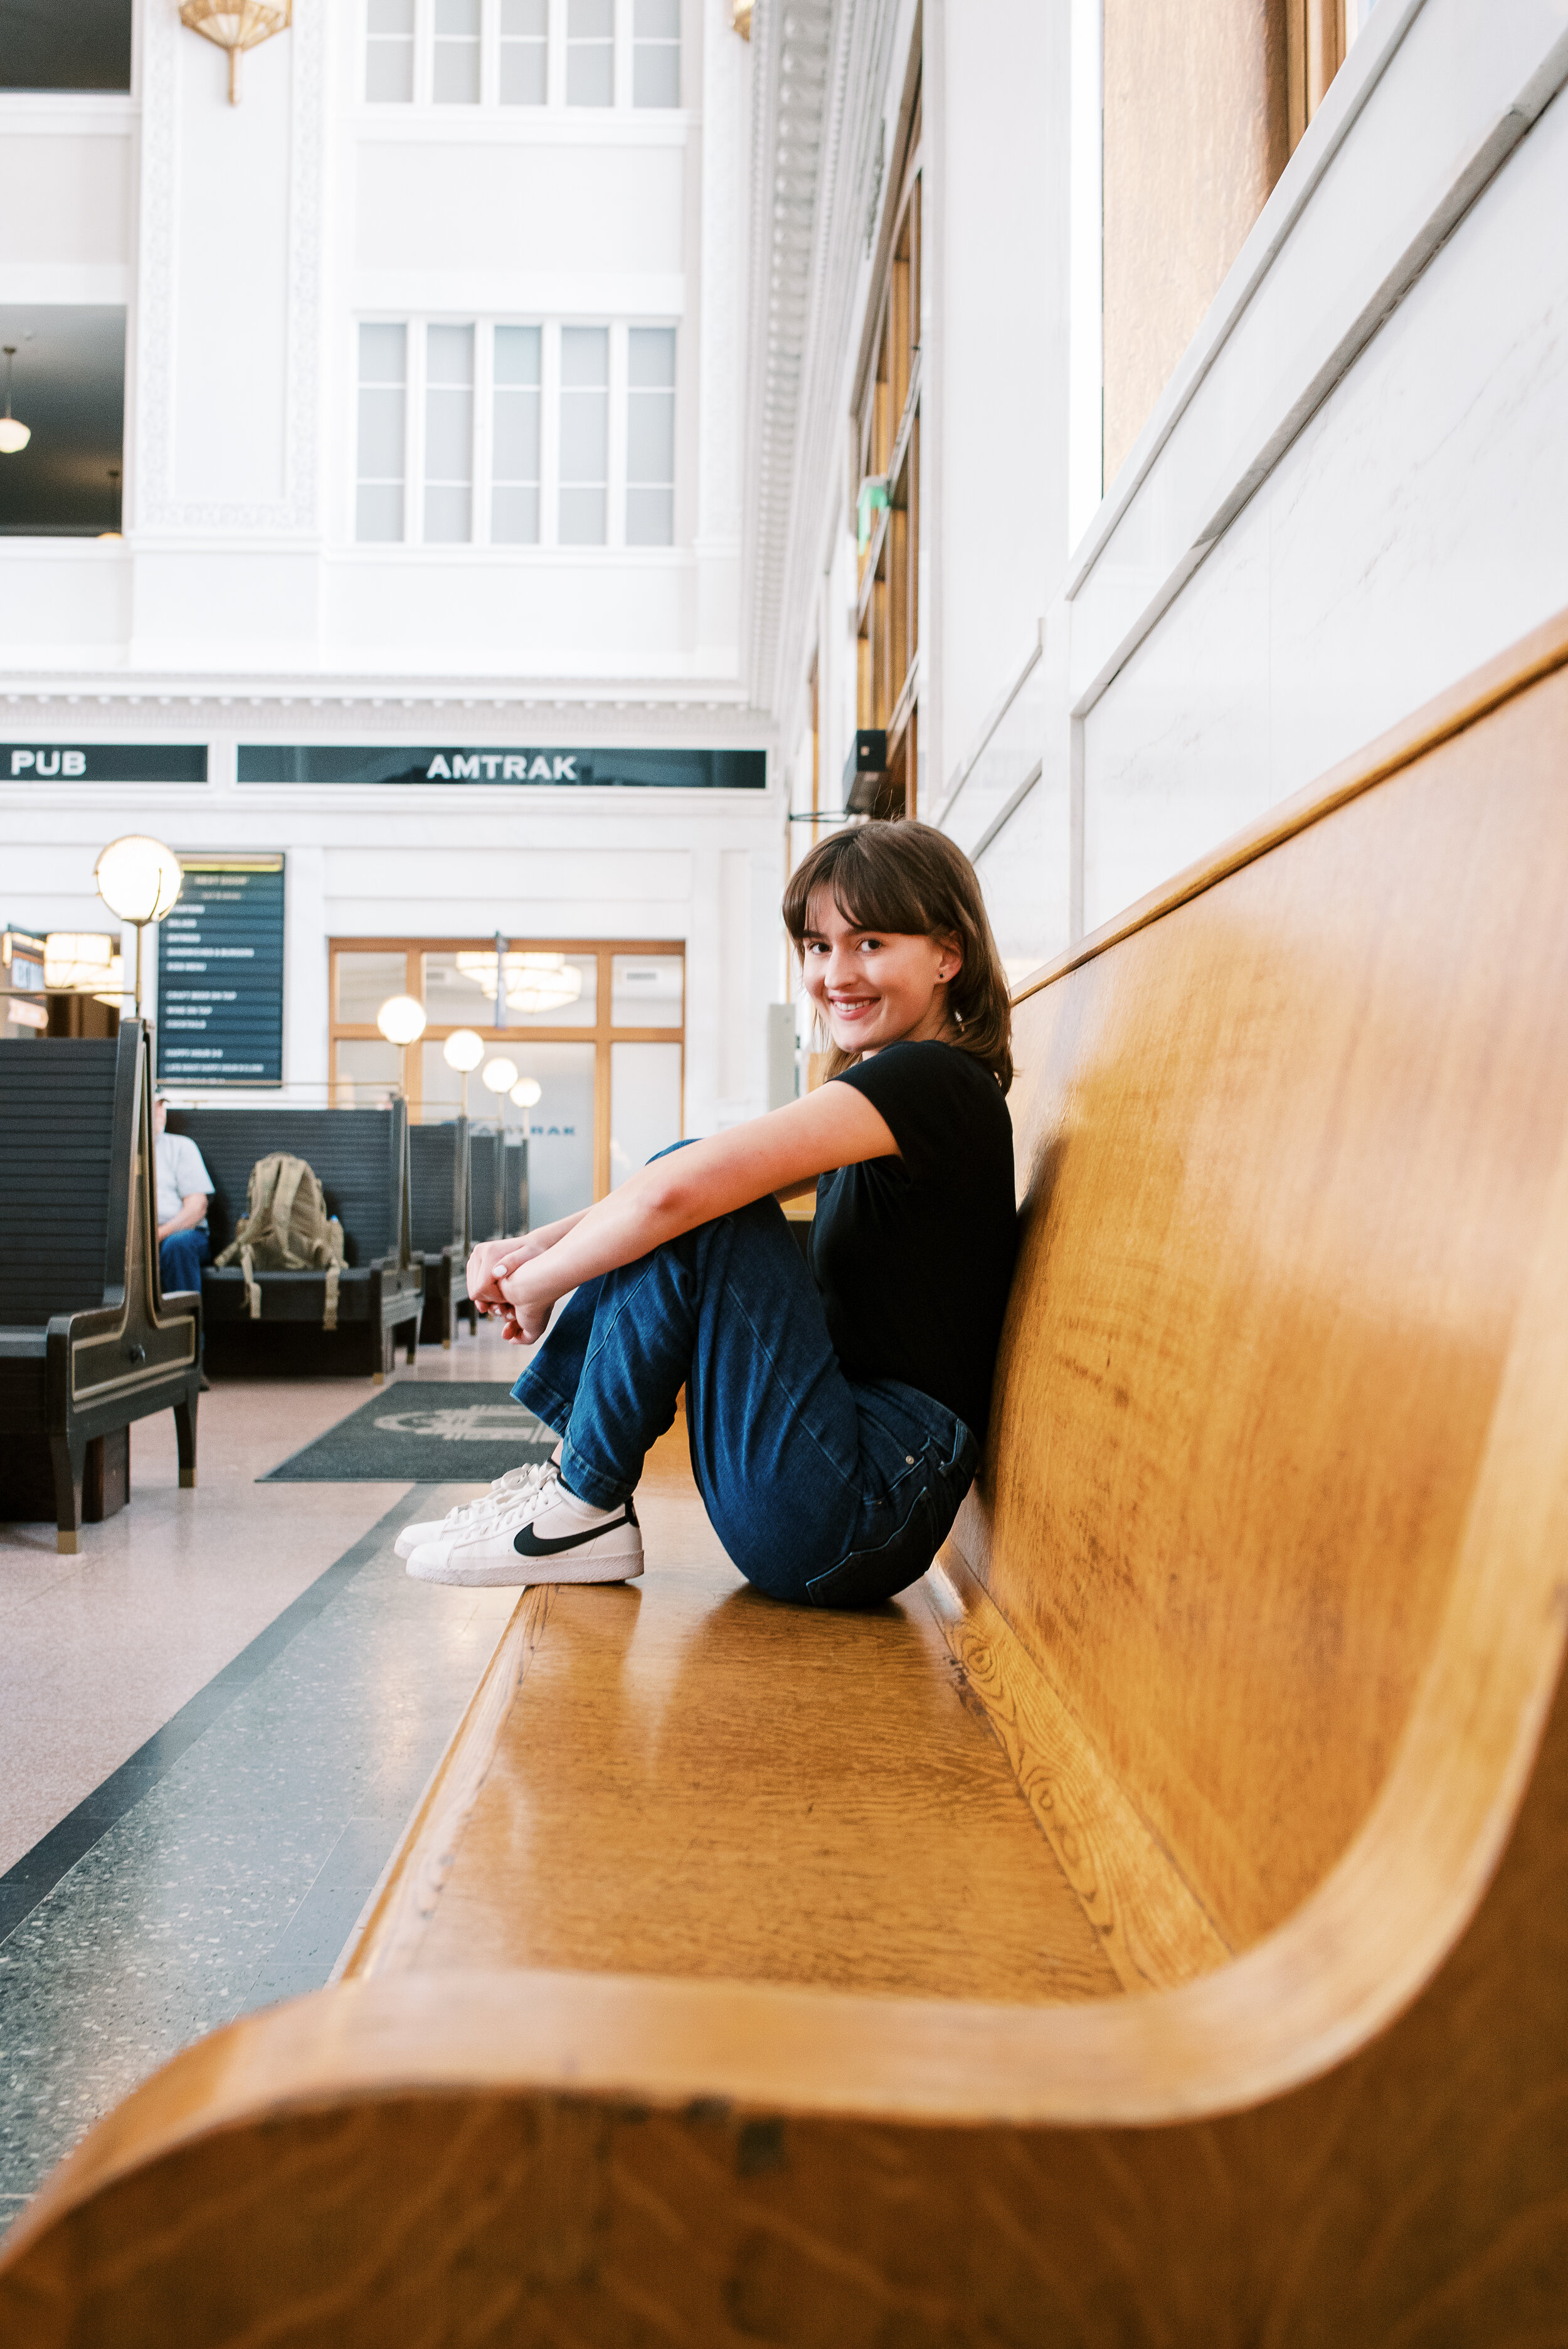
[[489, 1261], [834, 1126]]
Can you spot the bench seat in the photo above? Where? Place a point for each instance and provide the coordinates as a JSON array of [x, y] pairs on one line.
[[301, 1296], [603, 1808]]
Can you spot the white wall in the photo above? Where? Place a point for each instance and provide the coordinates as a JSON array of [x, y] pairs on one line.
[[1354, 491], [247, 243]]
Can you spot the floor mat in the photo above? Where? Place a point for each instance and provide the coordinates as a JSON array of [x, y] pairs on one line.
[[423, 1433]]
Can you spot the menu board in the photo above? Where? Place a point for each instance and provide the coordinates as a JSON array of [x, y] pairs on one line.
[[221, 975]]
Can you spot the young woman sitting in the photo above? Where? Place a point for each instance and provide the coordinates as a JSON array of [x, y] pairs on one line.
[[835, 1415]]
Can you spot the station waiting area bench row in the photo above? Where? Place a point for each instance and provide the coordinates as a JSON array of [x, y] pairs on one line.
[[89, 1341], [1150, 1931]]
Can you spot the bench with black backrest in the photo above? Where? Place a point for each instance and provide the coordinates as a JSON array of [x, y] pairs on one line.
[[361, 1159], [1150, 1928], [513, 1185], [89, 1343], [439, 1223], [486, 1219]]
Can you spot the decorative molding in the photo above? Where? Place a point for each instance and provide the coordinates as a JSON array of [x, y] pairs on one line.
[[156, 507], [813, 168]]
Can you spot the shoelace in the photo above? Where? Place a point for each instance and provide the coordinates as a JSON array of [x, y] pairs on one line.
[[524, 1507], [515, 1485]]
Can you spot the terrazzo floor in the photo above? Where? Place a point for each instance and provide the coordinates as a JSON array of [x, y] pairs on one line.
[[215, 1721]]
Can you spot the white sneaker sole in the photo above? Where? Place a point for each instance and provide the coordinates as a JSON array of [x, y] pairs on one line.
[[434, 1563]]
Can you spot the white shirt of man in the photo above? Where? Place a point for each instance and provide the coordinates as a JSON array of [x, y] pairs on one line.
[[181, 1171]]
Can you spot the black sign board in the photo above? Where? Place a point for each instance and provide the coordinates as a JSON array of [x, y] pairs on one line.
[[312, 763], [221, 975], [103, 762]]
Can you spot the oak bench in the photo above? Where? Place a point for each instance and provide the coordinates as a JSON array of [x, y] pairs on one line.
[[1150, 1930], [89, 1340], [361, 1158]]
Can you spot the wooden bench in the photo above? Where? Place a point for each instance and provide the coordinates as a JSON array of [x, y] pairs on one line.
[[361, 1157], [1152, 1927], [89, 1341], [439, 1223]]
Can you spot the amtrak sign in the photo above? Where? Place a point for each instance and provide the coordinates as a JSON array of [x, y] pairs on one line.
[[504, 766], [445, 766]]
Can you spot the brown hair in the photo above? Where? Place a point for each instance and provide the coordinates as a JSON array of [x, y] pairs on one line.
[[908, 877]]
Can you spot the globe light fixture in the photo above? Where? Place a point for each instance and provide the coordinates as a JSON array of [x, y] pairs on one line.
[[498, 1075], [139, 879], [401, 1021], [463, 1050], [236, 25], [525, 1092], [14, 434]]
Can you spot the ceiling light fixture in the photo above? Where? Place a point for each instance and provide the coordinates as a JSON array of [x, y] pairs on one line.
[[13, 435]]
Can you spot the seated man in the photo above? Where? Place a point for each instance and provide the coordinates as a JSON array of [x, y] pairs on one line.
[[184, 1187]]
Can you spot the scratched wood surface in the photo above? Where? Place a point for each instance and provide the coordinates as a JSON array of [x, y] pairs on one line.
[[1263, 1651]]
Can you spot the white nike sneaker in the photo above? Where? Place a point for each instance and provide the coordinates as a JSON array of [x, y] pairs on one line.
[[547, 1535], [513, 1486]]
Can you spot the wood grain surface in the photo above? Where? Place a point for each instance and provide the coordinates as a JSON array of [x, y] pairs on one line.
[[1243, 1669], [683, 1777]]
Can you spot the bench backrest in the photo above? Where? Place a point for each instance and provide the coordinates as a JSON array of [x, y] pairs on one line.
[[485, 1198], [1284, 1139], [513, 1187], [360, 1156], [439, 1186], [58, 1101]]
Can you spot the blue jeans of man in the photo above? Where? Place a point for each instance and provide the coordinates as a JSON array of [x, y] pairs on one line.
[[835, 1491], [182, 1257]]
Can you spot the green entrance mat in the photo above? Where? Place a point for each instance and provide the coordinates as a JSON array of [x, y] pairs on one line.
[[424, 1432]]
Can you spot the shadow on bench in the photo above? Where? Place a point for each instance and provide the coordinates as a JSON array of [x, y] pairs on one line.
[[361, 1158], [1150, 1930], [89, 1343]]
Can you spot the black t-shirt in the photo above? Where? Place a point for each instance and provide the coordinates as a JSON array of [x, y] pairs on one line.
[[913, 1255]]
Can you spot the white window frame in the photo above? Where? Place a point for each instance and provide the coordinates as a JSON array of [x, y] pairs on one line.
[[423, 99], [416, 325]]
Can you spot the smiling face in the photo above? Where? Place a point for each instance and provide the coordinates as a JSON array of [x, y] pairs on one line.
[[876, 986]]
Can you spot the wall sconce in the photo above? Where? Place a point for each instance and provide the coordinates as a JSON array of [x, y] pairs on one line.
[[236, 25]]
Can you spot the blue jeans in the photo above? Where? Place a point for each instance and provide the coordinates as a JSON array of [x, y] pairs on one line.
[[822, 1488], [182, 1257]]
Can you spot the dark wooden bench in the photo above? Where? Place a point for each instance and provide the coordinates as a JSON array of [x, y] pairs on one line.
[[514, 1186], [1150, 1928], [439, 1223], [89, 1343], [361, 1157], [487, 1198]]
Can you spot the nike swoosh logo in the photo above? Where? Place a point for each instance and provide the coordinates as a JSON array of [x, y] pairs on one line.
[[527, 1544]]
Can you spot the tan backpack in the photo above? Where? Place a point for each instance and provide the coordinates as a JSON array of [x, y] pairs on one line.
[[286, 1228]]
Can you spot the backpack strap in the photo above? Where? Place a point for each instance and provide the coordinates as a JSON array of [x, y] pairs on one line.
[[289, 1179], [252, 1286], [329, 1319]]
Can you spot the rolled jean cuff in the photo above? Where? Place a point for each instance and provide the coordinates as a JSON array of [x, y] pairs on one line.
[[599, 1491], [552, 1409]]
